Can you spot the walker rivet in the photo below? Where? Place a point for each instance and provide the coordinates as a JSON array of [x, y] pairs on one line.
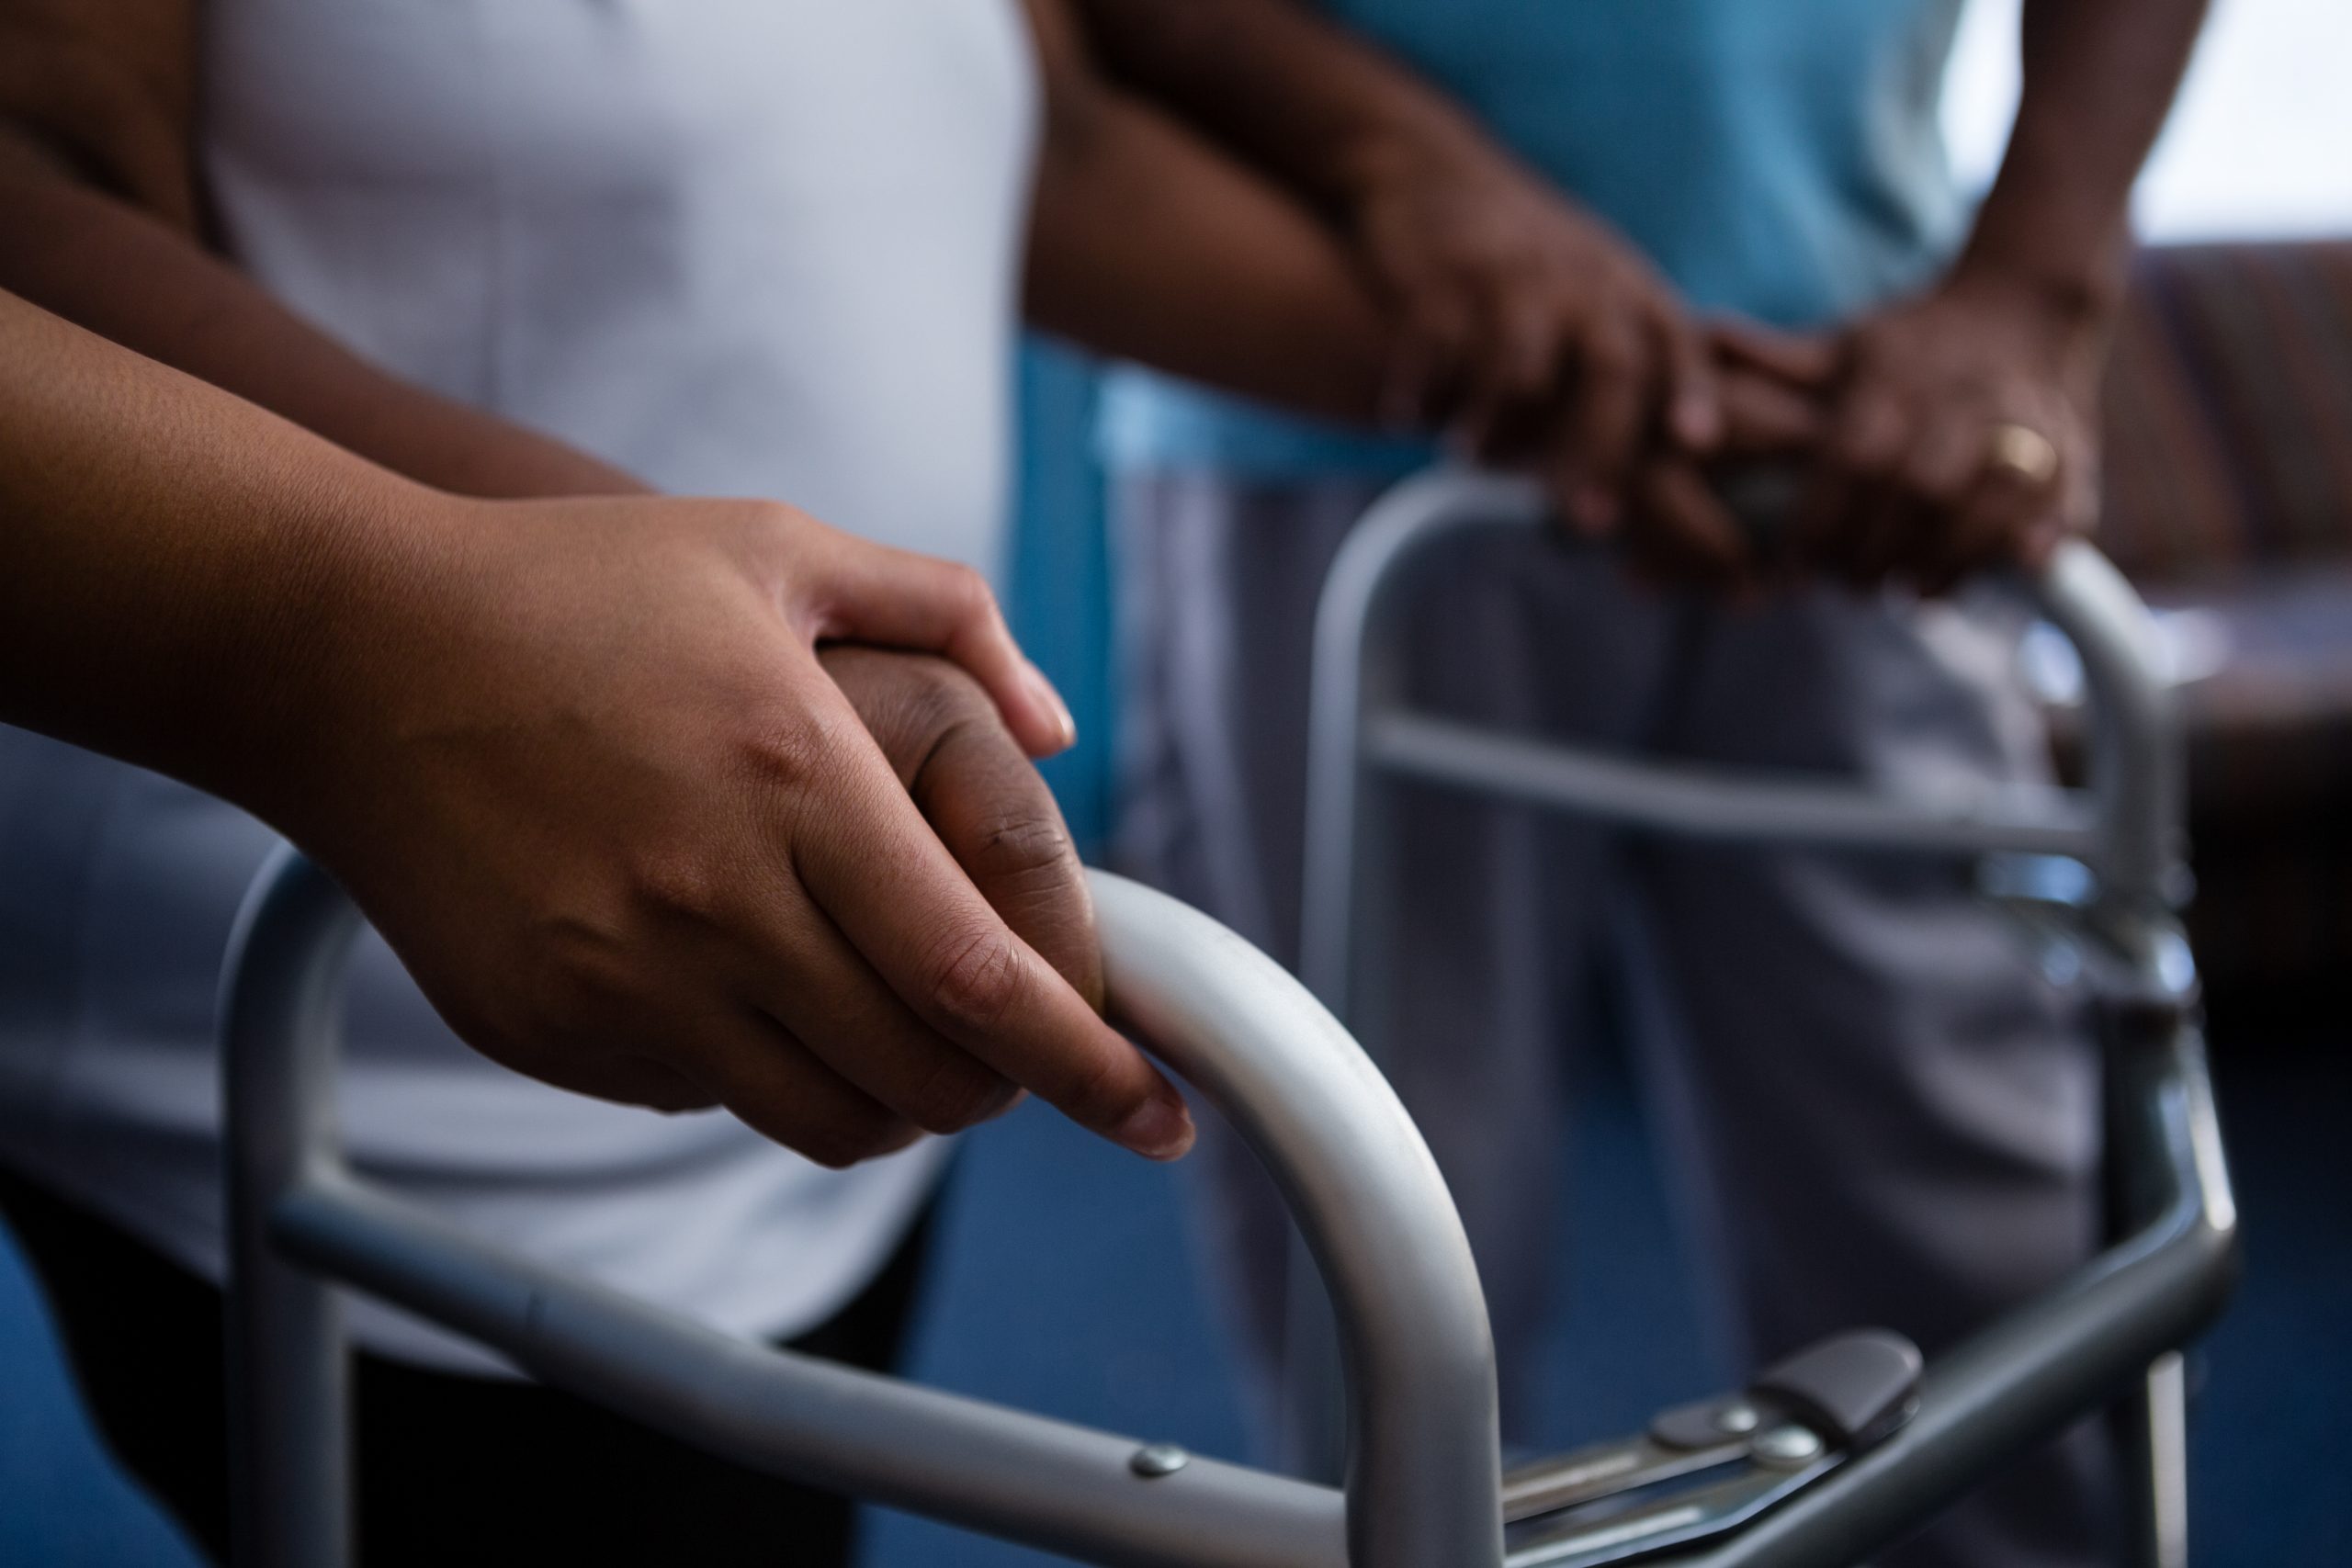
[[1155, 1460], [1788, 1445]]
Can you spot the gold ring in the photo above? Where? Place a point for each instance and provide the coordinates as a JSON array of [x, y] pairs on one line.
[[2022, 453]]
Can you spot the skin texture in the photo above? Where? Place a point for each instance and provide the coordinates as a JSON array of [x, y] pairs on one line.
[[1413, 268], [2015, 332], [933, 1012], [1544, 340], [582, 762], [1526, 325]]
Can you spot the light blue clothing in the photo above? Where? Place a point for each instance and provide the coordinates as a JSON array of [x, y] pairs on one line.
[[1782, 159]]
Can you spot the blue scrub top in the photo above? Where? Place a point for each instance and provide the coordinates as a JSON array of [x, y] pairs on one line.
[[1782, 159]]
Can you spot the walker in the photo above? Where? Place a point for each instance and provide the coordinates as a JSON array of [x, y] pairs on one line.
[[1820, 1461]]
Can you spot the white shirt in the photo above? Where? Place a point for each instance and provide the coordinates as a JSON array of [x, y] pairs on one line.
[[757, 247]]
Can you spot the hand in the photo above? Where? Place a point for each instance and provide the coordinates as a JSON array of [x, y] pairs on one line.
[[1699, 522], [584, 766], [1961, 437], [981, 794], [1514, 304]]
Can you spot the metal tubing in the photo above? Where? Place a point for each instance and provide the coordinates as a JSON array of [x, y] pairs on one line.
[[2134, 755], [2125, 825], [1724, 803], [1047, 1483], [290, 1499], [1425, 1473], [2050, 1361]]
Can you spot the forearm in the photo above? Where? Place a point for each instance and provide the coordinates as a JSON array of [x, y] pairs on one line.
[[2098, 77], [1149, 243], [122, 272], [1298, 95], [170, 557]]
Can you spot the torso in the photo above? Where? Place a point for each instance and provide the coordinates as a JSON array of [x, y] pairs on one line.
[[738, 246]]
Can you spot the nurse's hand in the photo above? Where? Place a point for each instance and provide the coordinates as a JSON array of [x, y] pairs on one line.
[[585, 766], [1529, 327]]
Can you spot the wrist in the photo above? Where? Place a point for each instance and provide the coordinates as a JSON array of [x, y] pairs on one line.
[[352, 589], [2070, 296], [1428, 148]]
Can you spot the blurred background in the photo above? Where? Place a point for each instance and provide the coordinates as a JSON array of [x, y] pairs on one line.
[[1066, 1281]]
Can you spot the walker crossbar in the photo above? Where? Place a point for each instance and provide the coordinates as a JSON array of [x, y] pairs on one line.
[[2115, 1326], [2124, 825], [1426, 1478]]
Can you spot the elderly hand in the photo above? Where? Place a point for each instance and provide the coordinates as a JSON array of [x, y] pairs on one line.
[[585, 766], [1961, 437], [1695, 521], [1531, 328]]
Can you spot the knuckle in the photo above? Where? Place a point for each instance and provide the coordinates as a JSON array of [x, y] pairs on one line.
[[976, 980], [676, 884], [1021, 846], [583, 965], [946, 697], [967, 593], [803, 751], [773, 531]]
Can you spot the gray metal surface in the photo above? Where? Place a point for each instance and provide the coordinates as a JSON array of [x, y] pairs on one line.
[[2026, 1376], [2124, 825], [288, 1399], [1425, 1485]]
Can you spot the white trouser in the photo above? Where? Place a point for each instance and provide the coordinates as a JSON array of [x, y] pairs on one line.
[[1879, 1111]]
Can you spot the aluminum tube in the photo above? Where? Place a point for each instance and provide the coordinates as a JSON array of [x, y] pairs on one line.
[[1046, 1484], [1715, 803], [2133, 794], [1424, 1476], [1351, 676], [2046, 1364], [2134, 754], [290, 1454]]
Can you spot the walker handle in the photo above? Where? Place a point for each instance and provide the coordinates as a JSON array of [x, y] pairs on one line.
[[2125, 826], [1424, 1486]]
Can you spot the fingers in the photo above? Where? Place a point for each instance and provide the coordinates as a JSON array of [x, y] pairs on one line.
[[779, 1088], [1849, 508], [1687, 536], [1765, 417], [1809, 361], [831, 999], [895, 892], [1934, 482], [1432, 346], [1998, 517], [983, 798], [1694, 411], [1517, 365], [1608, 416], [857, 590]]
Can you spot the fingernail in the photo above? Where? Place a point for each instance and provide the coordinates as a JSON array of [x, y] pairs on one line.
[[1065, 726], [1159, 1129]]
